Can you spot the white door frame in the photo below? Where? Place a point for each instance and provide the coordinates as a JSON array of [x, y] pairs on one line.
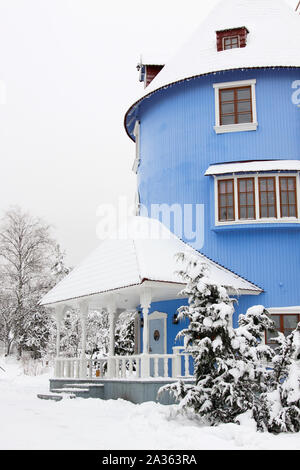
[[160, 316]]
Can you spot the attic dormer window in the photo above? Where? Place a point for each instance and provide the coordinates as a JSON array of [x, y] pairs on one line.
[[232, 38]]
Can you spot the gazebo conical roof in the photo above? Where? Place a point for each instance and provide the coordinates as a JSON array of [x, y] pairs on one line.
[[141, 253]]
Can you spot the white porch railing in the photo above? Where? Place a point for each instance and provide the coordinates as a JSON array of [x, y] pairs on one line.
[[173, 365]]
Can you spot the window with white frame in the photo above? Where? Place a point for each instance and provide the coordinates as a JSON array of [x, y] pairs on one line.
[[235, 106], [263, 197], [285, 320]]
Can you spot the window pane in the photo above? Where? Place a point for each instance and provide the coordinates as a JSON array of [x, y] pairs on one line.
[[243, 213], [223, 199], [228, 120], [230, 213], [243, 199], [222, 187], [263, 198], [244, 106], [223, 214], [243, 93], [242, 118], [264, 211], [271, 198], [250, 199], [251, 213], [249, 185], [276, 320], [230, 200], [271, 211], [229, 186], [284, 197], [292, 197], [227, 108], [283, 183], [292, 210], [270, 184], [291, 183], [242, 186], [227, 95], [284, 211], [263, 184], [290, 321]]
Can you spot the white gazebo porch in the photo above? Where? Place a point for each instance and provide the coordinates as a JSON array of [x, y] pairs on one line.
[[129, 273], [136, 366]]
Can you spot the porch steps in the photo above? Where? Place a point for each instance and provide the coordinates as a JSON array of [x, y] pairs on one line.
[[49, 396], [81, 390]]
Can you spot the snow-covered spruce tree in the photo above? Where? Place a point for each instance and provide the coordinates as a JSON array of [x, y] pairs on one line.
[[224, 361], [280, 405]]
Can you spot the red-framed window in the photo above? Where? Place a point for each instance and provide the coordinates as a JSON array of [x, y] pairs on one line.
[[288, 196], [285, 323], [246, 198], [226, 200], [235, 105], [232, 38], [267, 197]]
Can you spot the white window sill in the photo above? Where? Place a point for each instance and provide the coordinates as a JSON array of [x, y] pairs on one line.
[[269, 220], [249, 126]]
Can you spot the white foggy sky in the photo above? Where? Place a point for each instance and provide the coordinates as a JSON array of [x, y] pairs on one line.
[[70, 72]]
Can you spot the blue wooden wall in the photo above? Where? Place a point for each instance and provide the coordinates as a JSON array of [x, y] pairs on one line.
[[178, 143]]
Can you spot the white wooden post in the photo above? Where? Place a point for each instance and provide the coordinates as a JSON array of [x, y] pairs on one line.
[[176, 362], [83, 311], [145, 301], [111, 364], [59, 309]]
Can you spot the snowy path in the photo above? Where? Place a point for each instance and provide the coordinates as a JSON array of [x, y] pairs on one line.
[[30, 423]]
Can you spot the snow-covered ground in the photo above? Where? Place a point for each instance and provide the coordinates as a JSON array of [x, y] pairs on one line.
[[30, 423]]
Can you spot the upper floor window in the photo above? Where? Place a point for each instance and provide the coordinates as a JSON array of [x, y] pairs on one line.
[[232, 38], [235, 106], [259, 198]]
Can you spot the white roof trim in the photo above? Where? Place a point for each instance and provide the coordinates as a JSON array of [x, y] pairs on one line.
[[253, 166]]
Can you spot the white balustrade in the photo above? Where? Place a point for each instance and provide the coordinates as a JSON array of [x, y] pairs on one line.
[[127, 366]]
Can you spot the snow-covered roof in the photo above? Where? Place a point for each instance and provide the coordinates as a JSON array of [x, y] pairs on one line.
[[253, 166], [273, 41], [144, 249]]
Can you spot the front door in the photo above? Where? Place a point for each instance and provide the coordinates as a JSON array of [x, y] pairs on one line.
[[157, 339]]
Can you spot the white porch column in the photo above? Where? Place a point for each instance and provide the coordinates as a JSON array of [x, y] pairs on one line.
[[145, 301], [83, 311], [58, 315], [112, 311]]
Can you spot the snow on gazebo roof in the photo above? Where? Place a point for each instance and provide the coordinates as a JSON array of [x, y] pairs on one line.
[[143, 250], [273, 41]]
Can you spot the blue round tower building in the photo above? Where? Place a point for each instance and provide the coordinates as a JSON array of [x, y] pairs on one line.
[[217, 133]]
